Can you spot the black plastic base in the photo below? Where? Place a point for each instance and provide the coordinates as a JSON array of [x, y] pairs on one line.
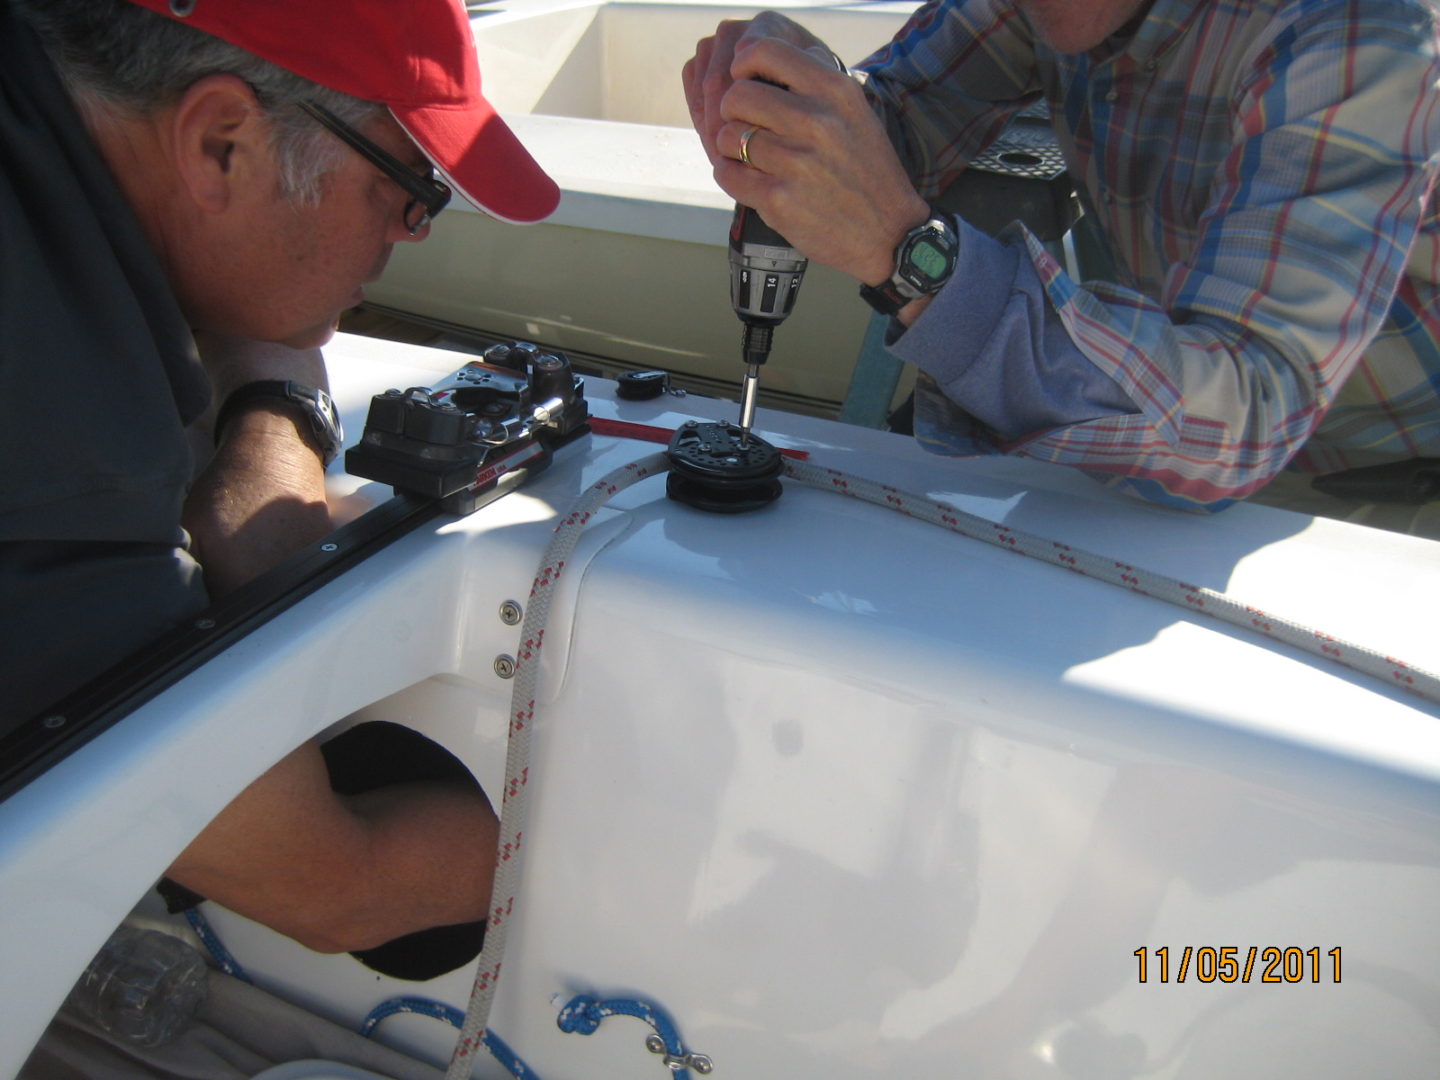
[[710, 469]]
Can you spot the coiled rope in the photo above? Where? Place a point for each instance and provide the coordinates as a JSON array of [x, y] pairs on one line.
[[1192, 598]]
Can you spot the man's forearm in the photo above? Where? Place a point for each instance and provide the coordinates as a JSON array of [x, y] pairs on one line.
[[262, 495], [261, 498]]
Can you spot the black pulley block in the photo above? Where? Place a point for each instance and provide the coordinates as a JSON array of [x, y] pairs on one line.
[[711, 470], [641, 385]]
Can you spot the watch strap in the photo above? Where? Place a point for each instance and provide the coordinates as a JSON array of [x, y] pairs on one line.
[[315, 404], [885, 298]]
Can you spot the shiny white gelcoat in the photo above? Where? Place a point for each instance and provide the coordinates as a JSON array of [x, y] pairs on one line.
[[847, 795]]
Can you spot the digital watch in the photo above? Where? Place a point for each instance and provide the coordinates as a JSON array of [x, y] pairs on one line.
[[924, 261]]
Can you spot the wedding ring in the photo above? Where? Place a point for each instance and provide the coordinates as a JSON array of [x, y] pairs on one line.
[[745, 146]]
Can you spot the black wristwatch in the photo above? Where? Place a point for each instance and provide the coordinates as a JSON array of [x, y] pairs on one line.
[[315, 404], [924, 261]]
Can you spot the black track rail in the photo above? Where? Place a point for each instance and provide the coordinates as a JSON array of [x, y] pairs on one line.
[[37, 744]]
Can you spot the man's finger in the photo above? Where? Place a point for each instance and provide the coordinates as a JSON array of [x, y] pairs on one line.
[[702, 94], [799, 70]]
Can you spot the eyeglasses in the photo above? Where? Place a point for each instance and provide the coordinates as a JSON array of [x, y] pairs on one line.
[[428, 195]]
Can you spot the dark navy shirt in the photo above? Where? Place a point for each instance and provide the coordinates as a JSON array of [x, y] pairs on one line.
[[98, 379]]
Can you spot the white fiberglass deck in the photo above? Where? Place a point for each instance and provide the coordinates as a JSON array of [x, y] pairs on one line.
[[849, 796]]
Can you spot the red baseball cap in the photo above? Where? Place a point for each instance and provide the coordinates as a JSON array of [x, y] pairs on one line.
[[415, 56]]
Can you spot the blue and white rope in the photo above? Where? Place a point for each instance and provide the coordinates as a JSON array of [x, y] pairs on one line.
[[223, 957], [438, 1010]]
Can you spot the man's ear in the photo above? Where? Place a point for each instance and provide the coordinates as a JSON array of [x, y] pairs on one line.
[[220, 140]]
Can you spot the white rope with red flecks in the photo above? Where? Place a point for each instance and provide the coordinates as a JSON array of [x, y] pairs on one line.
[[1192, 598], [515, 798], [1196, 598]]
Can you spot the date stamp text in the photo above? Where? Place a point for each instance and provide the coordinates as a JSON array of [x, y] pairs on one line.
[[1242, 964]]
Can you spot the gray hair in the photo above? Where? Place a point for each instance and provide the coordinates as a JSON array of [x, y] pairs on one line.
[[117, 56]]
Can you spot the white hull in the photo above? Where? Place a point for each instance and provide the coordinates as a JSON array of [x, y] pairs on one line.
[[848, 795]]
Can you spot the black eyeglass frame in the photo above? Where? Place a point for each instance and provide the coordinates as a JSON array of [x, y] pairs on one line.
[[424, 191]]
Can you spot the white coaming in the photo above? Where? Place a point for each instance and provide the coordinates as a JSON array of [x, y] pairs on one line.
[[593, 90]]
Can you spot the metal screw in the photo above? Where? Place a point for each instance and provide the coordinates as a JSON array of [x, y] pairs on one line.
[[511, 613], [505, 665], [204, 624], [54, 721], [655, 1044], [701, 1064], [329, 547]]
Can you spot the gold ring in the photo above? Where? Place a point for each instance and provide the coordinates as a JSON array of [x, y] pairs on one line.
[[745, 146]]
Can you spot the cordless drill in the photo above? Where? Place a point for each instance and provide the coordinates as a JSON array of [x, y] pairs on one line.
[[765, 276], [718, 467]]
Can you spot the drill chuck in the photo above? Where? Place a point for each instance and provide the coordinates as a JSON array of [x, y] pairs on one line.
[[755, 342]]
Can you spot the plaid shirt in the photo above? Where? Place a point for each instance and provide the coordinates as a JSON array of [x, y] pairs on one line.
[[1263, 172]]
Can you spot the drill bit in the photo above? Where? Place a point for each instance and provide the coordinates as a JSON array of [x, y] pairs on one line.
[[749, 390]]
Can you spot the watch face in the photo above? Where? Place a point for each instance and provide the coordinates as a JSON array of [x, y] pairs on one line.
[[928, 259]]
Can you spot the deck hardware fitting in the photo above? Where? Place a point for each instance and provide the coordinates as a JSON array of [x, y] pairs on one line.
[[505, 666], [511, 613], [53, 722], [721, 469], [701, 1063], [329, 547]]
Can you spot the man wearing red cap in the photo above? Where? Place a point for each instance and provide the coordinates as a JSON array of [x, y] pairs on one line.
[[190, 195]]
